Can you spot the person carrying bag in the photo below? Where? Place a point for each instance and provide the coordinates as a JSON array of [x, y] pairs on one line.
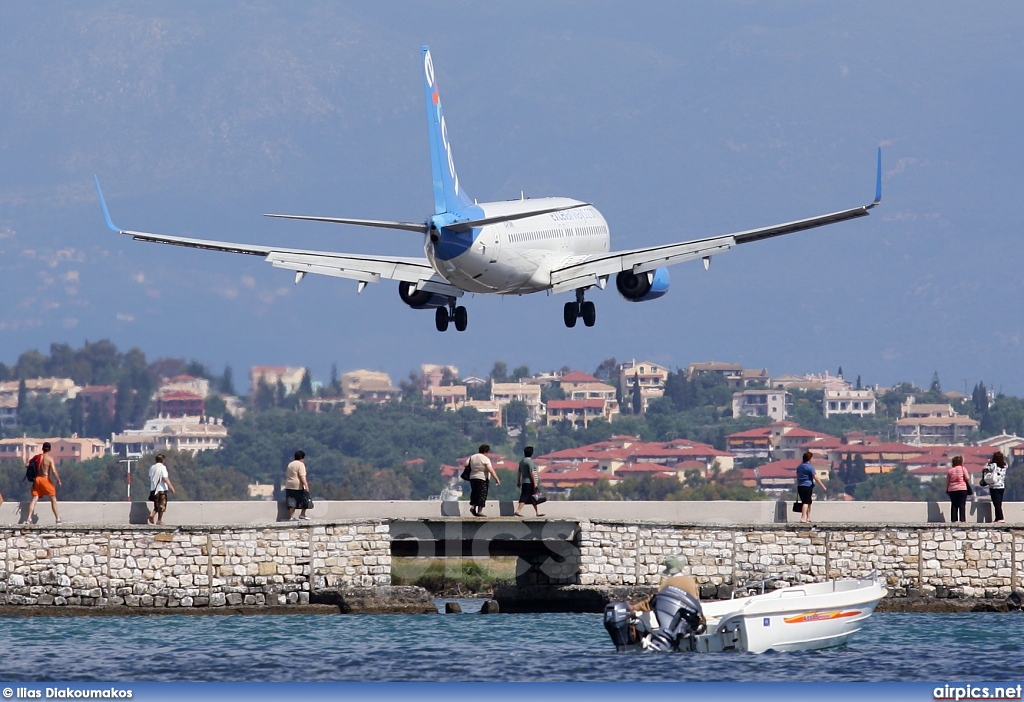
[[528, 483]]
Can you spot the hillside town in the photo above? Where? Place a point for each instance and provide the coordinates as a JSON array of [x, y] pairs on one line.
[[870, 435]]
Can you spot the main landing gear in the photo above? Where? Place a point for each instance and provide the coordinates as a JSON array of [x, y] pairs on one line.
[[580, 308], [458, 315]]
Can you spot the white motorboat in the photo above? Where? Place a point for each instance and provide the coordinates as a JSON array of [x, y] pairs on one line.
[[795, 618]]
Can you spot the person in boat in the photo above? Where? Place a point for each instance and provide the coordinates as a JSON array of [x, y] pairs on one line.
[[806, 477], [675, 608], [671, 575]]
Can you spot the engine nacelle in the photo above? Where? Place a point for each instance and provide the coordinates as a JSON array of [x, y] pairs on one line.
[[642, 287], [420, 299]]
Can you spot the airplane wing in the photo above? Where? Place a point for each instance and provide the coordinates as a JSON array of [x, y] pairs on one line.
[[594, 269], [364, 268]]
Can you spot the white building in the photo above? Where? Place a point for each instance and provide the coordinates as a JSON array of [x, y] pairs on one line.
[[192, 434], [290, 377], [858, 402], [761, 403], [504, 393], [8, 411]]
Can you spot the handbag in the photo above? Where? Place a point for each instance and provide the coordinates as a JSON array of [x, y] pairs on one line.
[[539, 497], [970, 490], [307, 500], [465, 471], [152, 495], [798, 507]]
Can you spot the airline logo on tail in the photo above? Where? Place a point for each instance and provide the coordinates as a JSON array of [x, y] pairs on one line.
[[428, 70]]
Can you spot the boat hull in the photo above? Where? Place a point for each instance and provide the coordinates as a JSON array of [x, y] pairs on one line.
[[797, 618]]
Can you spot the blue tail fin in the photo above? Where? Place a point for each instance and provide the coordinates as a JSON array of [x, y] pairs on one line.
[[448, 196]]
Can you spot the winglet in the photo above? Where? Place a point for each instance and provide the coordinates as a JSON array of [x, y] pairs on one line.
[[103, 204], [878, 181]]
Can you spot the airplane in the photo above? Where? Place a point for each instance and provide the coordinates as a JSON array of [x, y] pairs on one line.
[[516, 247]]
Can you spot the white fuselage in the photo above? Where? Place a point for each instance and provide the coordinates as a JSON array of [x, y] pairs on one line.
[[516, 257]]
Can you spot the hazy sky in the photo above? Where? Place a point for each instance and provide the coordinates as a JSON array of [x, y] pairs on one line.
[[676, 120]]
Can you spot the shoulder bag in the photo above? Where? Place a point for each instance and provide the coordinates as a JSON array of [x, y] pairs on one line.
[[466, 470], [967, 481]]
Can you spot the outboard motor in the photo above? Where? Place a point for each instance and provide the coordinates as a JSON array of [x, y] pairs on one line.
[[617, 622], [679, 615]]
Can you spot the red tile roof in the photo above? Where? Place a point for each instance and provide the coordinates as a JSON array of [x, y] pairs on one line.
[[759, 433], [785, 468], [578, 377]]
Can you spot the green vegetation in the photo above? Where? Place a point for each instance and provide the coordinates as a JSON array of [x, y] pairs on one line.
[[105, 480], [395, 450], [454, 577], [728, 486]]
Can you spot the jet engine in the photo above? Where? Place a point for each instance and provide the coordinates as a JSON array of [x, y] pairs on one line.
[[420, 299], [643, 286]]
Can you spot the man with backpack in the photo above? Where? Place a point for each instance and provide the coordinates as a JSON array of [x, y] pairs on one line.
[[43, 466]]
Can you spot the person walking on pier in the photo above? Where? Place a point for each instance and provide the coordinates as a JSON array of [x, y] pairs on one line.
[[159, 484], [42, 486], [958, 487], [296, 488], [528, 483], [480, 472], [994, 476], [806, 477]]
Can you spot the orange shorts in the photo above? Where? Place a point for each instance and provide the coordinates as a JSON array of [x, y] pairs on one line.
[[42, 487]]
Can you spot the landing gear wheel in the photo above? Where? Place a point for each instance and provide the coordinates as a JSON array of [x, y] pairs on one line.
[[589, 313], [571, 313], [441, 319], [461, 318]]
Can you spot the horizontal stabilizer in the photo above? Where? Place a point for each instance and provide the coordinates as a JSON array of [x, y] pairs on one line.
[[384, 224], [466, 225]]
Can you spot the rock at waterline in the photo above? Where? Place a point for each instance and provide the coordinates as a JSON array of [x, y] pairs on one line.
[[452, 608], [489, 607]]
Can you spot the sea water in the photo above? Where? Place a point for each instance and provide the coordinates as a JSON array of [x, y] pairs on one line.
[[478, 647]]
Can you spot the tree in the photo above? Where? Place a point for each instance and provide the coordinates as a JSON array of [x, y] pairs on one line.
[[936, 386], [638, 401], [306, 386], [840, 373], [263, 397], [979, 398], [1005, 415], [521, 372], [858, 383], [227, 383], [334, 388], [22, 395], [897, 485], [499, 374], [215, 406], [608, 371], [515, 414], [551, 392]]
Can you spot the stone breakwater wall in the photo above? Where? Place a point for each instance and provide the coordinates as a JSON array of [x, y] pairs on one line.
[[953, 560], [190, 567]]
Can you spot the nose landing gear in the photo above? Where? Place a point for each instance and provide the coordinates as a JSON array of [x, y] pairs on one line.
[[458, 315], [584, 309]]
